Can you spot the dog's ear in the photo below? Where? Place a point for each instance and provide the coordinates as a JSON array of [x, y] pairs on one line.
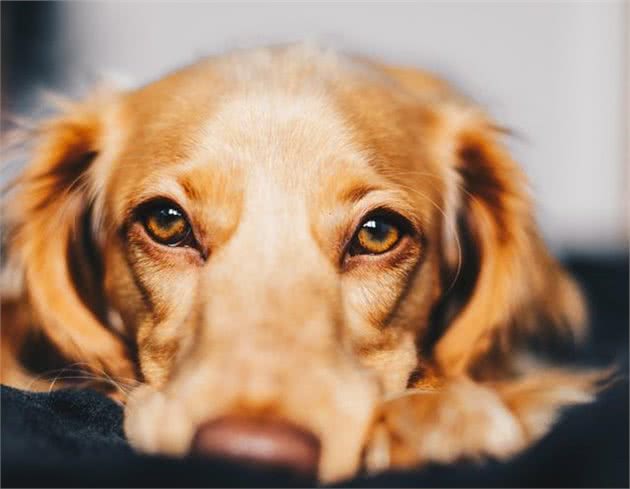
[[48, 214], [507, 286]]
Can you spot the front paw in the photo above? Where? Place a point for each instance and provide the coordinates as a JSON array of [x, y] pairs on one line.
[[462, 420]]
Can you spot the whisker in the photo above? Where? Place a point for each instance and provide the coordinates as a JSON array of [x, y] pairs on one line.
[[90, 379], [409, 392], [394, 173], [451, 227], [51, 372], [74, 372]]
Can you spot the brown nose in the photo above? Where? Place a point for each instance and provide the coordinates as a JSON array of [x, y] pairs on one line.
[[261, 443]]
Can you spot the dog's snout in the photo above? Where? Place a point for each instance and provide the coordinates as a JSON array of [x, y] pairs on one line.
[[260, 443]]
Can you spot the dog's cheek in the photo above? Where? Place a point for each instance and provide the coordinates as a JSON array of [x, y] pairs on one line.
[[123, 297], [392, 356]]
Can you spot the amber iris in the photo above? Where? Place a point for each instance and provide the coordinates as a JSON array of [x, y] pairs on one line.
[[375, 236], [166, 225]]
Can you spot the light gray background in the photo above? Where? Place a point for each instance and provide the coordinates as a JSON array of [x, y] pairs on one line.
[[554, 72]]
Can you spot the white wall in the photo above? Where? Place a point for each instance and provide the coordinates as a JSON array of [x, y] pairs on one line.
[[555, 72]]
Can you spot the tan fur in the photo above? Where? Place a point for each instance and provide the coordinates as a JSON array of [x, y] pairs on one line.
[[276, 155]]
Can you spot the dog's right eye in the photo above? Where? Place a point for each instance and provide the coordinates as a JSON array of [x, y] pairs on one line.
[[166, 224]]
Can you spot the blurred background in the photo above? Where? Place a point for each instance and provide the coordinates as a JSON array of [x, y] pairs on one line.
[[556, 73]]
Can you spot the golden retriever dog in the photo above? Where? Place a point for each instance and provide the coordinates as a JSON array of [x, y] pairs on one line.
[[294, 258]]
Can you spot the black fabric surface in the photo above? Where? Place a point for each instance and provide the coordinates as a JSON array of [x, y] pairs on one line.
[[74, 438]]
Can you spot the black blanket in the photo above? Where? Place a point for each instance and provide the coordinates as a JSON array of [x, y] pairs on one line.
[[75, 438]]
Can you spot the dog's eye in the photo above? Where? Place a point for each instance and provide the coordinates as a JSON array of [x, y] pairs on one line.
[[166, 224], [376, 235]]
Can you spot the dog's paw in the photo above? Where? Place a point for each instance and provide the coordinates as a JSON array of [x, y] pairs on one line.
[[155, 424], [462, 420]]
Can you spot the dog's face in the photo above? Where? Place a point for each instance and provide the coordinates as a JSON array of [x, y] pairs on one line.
[[266, 259], [277, 234]]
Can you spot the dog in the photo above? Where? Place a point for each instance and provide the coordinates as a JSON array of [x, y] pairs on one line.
[[290, 257]]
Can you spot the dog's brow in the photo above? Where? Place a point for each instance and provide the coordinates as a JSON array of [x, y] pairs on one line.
[[198, 183], [355, 193], [189, 187]]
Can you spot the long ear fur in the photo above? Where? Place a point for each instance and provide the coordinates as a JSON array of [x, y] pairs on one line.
[[509, 286], [48, 212]]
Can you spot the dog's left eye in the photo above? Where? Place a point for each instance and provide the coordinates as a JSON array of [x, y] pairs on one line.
[[375, 236], [166, 224]]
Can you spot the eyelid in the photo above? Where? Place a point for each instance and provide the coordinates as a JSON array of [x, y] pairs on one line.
[[384, 209], [148, 204], [391, 201], [159, 199], [156, 194]]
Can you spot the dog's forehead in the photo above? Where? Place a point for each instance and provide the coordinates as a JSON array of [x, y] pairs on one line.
[[307, 123], [261, 105], [295, 137]]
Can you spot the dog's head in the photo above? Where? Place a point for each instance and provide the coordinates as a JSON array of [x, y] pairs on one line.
[[284, 235]]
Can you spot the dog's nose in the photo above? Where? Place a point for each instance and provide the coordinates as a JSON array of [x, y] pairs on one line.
[[261, 443]]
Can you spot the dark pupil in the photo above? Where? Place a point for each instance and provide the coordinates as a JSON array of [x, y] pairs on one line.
[[379, 230], [167, 217]]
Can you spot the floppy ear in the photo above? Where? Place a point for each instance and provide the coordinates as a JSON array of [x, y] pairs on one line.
[[48, 213], [509, 287]]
